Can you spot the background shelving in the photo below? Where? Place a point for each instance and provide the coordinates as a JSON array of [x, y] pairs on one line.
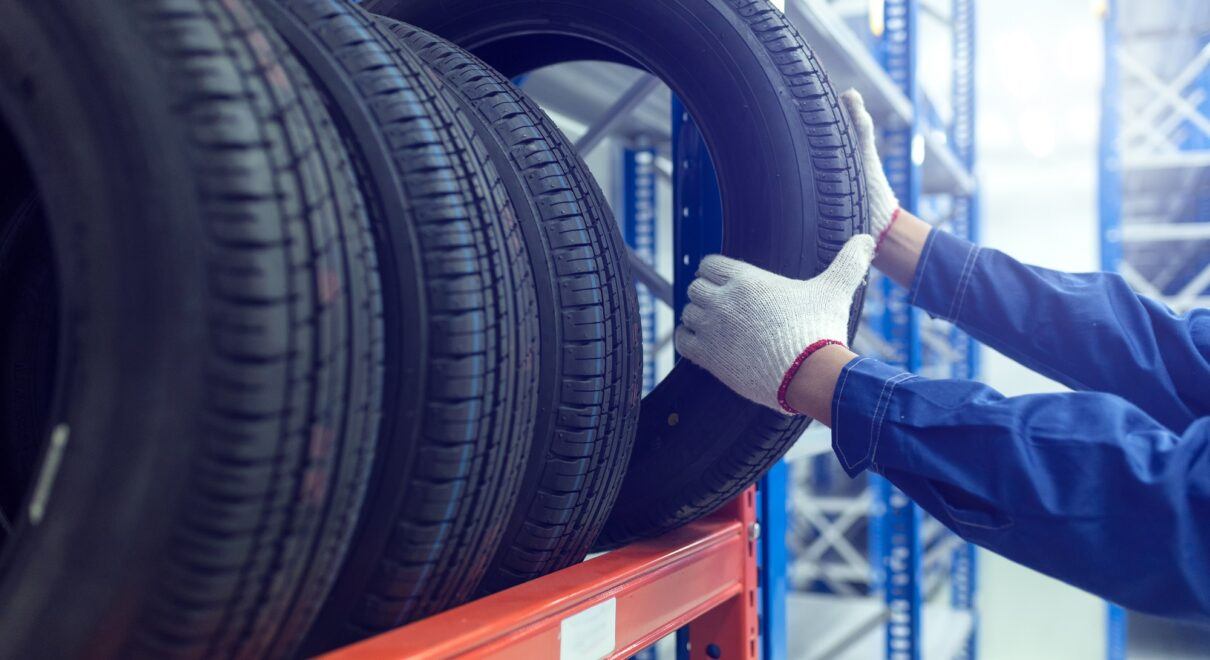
[[874, 566], [1154, 201]]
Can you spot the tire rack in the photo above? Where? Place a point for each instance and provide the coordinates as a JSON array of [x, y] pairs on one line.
[[909, 556], [1154, 149], [933, 160], [702, 576], [663, 585], [699, 583]]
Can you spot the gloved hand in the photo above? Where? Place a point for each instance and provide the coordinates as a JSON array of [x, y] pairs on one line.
[[752, 329], [884, 206]]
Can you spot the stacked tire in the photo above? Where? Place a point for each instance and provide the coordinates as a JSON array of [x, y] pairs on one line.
[[313, 324], [791, 186]]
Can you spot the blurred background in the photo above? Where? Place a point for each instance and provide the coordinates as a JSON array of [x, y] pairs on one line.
[[1039, 75]]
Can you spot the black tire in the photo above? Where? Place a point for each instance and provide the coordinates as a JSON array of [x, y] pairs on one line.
[[791, 186], [216, 380], [461, 327], [591, 344], [28, 337]]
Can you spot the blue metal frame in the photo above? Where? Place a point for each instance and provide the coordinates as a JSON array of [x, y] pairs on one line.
[[1109, 198], [964, 584], [698, 231], [900, 519], [1115, 632], [903, 563], [1109, 179], [638, 227], [964, 566], [690, 165], [771, 512], [962, 137], [697, 221]]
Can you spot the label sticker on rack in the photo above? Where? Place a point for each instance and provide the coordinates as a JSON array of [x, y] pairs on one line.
[[591, 634]]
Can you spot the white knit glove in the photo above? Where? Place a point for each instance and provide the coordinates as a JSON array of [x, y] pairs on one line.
[[884, 207], [752, 329]]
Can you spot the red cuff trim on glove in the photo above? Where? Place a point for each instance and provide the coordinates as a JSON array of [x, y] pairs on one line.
[[802, 357], [886, 230]]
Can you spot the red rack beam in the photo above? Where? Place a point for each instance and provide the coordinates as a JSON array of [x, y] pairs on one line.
[[704, 573]]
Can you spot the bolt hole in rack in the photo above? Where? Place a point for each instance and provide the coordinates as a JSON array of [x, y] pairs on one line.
[[1155, 202], [712, 589]]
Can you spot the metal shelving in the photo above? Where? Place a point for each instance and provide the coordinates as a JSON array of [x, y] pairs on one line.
[[1154, 176], [850, 629], [612, 606], [850, 62], [1155, 149], [664, 193], [881, 596]]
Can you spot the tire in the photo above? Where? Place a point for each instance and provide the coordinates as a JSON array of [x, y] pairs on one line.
[[216, 379], [591, 344], [784, 153], [461, 328], [27, 340]]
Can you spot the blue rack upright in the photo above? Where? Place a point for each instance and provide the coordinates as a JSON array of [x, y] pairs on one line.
[[929, 162]]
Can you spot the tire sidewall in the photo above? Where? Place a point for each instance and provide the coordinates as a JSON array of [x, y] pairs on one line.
[[126, 235], [753, 125]]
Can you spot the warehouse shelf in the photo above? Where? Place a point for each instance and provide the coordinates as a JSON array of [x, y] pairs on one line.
[[827, 627], [850, 63], [584, 92], [1154, 199], [863, 549], [702, 575], [927, 158]]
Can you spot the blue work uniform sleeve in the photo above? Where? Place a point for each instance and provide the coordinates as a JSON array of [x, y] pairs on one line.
[[1083, 486], [1088, 331]]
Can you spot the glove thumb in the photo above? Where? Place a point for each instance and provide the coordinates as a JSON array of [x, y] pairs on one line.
[[862, 122], [849, 269]]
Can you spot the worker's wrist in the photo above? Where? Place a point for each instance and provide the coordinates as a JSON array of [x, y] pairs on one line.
[[881, 237], [863, 401], [810, 388], [899, 248], [947, 277]]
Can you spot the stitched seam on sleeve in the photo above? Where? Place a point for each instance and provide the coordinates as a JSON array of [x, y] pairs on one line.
[[879, 409], [902, 378], [924, 262], [949, 510], [836, 418], [966, 284], [962, 278]]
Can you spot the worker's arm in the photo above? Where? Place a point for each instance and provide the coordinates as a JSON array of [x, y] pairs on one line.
[[1087, 331], [1085, 487]]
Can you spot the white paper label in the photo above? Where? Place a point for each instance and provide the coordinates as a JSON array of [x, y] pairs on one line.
[[591, 634], [780, 4]]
